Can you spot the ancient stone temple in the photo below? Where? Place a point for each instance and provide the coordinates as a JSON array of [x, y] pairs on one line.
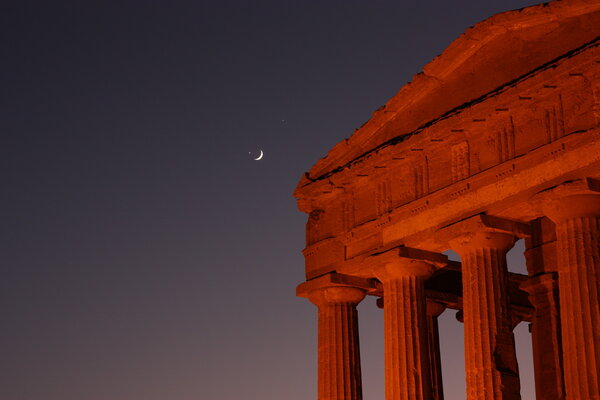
[[497, 139]]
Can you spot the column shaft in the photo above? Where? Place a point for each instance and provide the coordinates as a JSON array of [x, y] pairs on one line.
[[433, 341], [339, 358], [491, 366], [579, 272], [406, 350], [338, 354], [546, 337]]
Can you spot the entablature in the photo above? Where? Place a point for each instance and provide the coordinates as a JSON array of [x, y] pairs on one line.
[[489, 157]]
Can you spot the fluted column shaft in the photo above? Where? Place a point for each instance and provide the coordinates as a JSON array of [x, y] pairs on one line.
[[490, 358], [435, 366], [578, 258], [577, 240], [542, 287], [339, 374], [546, 336], [405, 330]]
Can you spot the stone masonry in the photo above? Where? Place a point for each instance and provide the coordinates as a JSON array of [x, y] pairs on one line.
[[496, 140]]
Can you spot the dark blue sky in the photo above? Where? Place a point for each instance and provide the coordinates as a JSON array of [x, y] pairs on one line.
[[144, 254]]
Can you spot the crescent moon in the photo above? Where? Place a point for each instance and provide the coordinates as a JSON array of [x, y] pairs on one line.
[[261, 156]]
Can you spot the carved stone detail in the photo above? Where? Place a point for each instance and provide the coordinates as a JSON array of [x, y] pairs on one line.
[[312, 226], [383, 197], [461, 164], [555, 121], [596, 103], [505, 141], [348, 212], [421, 178]]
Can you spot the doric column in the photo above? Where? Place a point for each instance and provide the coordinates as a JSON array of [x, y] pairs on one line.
[[542, 289], [491, 364], [434, 309], [546, 336], [403, 272], [339, 375], [577, 240]]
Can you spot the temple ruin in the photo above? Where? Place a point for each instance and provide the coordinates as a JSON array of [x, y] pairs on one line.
[[497, 139]]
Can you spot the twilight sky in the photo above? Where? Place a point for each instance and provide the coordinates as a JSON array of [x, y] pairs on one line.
[[144, 254]]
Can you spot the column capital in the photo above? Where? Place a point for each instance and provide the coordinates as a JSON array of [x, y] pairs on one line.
[[336, 295], [482, 231], [570, 199], [575, 206], [334, 288], [405, 261]]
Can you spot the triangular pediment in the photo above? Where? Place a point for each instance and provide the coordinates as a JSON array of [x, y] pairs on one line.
[[490, 54]]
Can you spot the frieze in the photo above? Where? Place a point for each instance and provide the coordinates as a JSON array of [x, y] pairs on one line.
[[505, 143], [461, 163], [596, 103], [383, 197], [348, 212], [555, 121], [421, 178]]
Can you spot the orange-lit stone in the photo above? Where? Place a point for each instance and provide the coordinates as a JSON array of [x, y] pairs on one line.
[[490, 357], [546, 336], [575, 208], [497, 139], [339, 375], [407, 367]]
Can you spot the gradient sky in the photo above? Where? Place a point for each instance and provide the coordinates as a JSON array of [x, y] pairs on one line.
[[145, 255]]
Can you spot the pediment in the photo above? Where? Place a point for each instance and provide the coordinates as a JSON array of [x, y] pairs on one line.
[[488, 55]]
